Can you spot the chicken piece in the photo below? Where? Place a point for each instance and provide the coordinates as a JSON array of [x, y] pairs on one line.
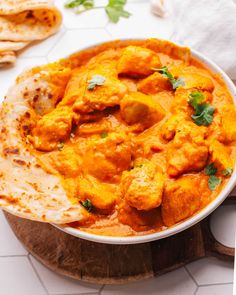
[[154, 83], [76, 86], [142, 187], [168, 129], [52, 128], [176, 67], [188, 151], [137, 107], [112, 153], [139, 220], [100, 97], [101, 195], [181, 199], [198, 81], [137, 61], [66, 161], [228, 114], [220, 156], [130, 83], [101, 126], [56, 78], [180, 101]]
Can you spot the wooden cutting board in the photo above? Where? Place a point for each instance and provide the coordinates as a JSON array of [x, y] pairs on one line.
[[116, 264]]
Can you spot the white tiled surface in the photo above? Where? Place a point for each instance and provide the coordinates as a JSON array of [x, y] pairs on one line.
[[56, 284], [21, 274], [174, 283], [212, 290], [211, 271], [9, 245], [17, 277], [74, 39]]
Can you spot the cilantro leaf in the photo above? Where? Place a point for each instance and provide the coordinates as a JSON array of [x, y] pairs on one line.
[[228, 172], [203, 111], [87, 204], [175, 82], [205, 116], [104, 134], [73, 3], [195, 99], [97, 80], [115, 9], [213, 182], [87, 4], [210, 169]]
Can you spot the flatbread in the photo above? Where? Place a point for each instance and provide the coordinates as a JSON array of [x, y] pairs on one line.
[[25, 21], [26, 190], [7, 58]]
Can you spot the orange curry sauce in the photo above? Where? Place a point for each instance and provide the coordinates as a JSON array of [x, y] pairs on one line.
[[123, 140]]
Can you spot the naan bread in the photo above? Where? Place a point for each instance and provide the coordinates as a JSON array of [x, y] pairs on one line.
[[26, 190], [25, 21], [7, 58]]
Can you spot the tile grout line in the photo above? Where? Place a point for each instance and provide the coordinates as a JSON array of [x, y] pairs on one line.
[[63, 31], [108, 32], [44, 287], [37, 274], [191, 276], [216, 284], [86, 29], [101, 289], [195, 292], [89, 293], [55, 44], [30, 57], [9, 256]]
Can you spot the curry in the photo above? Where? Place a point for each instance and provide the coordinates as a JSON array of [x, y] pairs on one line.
[[139, 133]]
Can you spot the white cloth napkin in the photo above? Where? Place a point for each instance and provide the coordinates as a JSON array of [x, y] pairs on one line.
[[208, 26]]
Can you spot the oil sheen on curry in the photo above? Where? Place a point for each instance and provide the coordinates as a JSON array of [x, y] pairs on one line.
[[140, 134]]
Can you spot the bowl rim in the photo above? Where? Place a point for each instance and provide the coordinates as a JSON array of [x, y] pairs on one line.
[[183, 225]]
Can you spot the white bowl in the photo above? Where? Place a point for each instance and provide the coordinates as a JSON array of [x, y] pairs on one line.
[[186, 223]]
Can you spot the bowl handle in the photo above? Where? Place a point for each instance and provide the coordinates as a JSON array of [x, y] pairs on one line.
[[211, 245]]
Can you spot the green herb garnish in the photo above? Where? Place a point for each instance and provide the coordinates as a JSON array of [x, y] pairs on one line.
[[97, 80], [228, 172], [60, 146], [174, 82], [114, 8], [196, 98], [87, 4], [210, 169], [213, 182], [87, 204], [104, 134], [203, 111]]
